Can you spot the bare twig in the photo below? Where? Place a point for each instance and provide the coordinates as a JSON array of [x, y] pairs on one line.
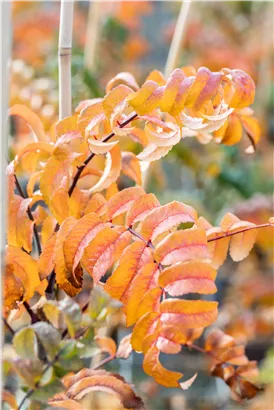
[[64, 58], [30, 215], [81, 169], [103, 362], [225, 235], [178, 37]]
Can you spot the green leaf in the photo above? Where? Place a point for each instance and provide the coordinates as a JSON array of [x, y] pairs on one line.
[[49, 337], [52, 313], [44, 393], [25, 343], [72, 315]]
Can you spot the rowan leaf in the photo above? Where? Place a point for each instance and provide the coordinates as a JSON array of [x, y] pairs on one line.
[[181, 246], [150, 302], [20, 227], [244, 89], [111, 172], [88, 380], [166, 217], [124, 349], [25, 343], [46, 259], [78, 238], [242, 243], [153, 367], [188, 277], [31, 118], [188, 313], [104, 250], [63, 277], [143, 281], [106, 344], [25, 268], [122, 78], [188, 383], [171, 89], [60, 400], [204, 87], [131, 167], [145, 326], [152, 152], [100, 147], [133, 259], [115, 97], [120, 202], [96, 204]]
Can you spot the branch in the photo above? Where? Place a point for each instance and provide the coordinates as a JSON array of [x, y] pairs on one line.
[[177, 39], [30, 215], [33, 316], [103, 362], [241, 231], [108, 137], [64, 58]]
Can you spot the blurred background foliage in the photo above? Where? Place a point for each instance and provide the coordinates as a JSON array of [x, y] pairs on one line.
[[135, 36]]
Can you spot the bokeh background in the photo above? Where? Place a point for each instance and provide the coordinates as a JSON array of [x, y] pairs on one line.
[[135, 36]]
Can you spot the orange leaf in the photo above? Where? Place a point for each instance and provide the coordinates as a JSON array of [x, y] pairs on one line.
[[131, 167], [152, 152], [203, 89], [150, 302], [244, 89], [104, 250], [71, 284], [166, 217], [88, 380], [140, 208], [134, 258], [181, 246], [188, 313], [122, 78], [145, 326], [100, 147], [171, 89], [61, 400], [78, 238], [106, 344], [24, 268], [46, 259], [20, 227], [31, 118], [115, 97], [120, 202], [241, 243], [141, 283], [96, 204], [188, 277], [111, 172], [153, 367]]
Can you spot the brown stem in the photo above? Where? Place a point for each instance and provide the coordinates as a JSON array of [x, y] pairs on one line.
[[241, 231], [103, 362], [33, 316], [89, 158], [30, 215]]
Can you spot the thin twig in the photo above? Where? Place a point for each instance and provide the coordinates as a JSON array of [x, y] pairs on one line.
[[226, 235], [81, 169], [33, 316], [103, 362], [30, 215], [10, 329]]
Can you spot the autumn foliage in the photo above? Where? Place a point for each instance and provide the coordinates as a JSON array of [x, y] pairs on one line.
[[74, 221]]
